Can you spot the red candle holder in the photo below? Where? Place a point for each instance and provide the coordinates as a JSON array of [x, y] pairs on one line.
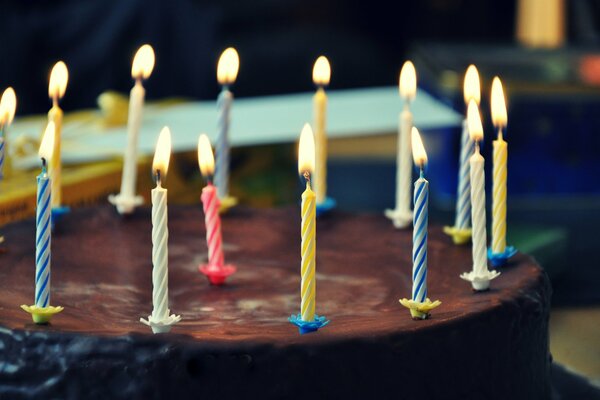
[[217, 274]]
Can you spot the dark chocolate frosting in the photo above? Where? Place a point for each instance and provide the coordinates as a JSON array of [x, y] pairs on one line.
[[235, 341]]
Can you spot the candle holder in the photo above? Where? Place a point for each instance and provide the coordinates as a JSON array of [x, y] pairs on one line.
[[400, 218], [57, 213], [217, 274], [420, 310], [125, 204], [480, 282], [326, 206], [161, 325], [499, 259], [42, 315], [226, 203], [308, 326], [459, 236]]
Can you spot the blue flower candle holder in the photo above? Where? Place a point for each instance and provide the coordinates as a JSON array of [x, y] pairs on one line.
[[326, 206], [499, 259], [308, 326]]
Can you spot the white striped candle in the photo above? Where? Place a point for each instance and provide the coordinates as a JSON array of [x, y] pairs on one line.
[[499, 118], [463, 200], [227, 70], [8, 105], [2, 153]]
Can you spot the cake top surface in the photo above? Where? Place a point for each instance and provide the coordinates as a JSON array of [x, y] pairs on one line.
[[102, 275]]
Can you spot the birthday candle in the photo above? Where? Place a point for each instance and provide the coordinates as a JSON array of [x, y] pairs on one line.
[[408, 91], [321, 78], [210, 203], [56, 90], [499, 118], [8, 105], [477, 192], [160, 231], [420, 218], [141, 68], [43, 231], [227, 70], [306, 161], [463, 202]]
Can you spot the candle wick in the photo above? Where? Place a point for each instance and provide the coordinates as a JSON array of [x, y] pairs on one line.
[[500, 133], [44, 165], [421, 173], [477, 146], [55, 101], [209, 179], [306, 175], [158, 180]]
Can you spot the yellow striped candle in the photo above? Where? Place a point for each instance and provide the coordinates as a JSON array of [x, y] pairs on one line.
[[56, 90], [306, 160], [321, 77], [499, 119]]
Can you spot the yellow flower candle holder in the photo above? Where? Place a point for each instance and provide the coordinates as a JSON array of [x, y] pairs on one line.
[[420, 310], [42, 315], [459, 236], [227, 203]]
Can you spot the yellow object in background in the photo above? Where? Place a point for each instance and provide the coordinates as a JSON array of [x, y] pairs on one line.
[[114, 108]]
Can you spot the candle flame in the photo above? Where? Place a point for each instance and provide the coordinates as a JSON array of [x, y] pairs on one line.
[[59, 77], [474, 122], [206, 159], [143, 62], [499, 117], [162, 153], [47, 144], [306, 150], [472, 88], [228, 66], [8, 105], [408, 81], [321, 71], [418, 150]]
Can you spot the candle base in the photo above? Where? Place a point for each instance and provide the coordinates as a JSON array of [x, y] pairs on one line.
[[57, 213], [481, 282], [326, 206], [499, 259], [217, 274], [308, 326], [420, 310], [125, 204], [459, 236], [161, 325], [400, 218], [42, 315], [226, 203]]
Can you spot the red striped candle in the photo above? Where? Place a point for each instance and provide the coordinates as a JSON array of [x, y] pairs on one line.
[[211, 203]]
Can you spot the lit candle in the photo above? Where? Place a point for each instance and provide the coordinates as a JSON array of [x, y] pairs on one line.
[[43, 232], [480, 275], [321, 77], [402, 214], [160, 320], [8, 105], [421, 200], [216, 271], [307, 321], [227, 70], [306, 162], [56, 90], [141, 68], [499, 119]]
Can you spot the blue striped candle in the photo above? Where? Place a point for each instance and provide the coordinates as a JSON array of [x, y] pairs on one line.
[[222, 146], [2, 147], [42, 239], [420, 217], [463, 200]]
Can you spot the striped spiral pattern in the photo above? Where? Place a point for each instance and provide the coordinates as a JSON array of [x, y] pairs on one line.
[[404, 163], [308, 230], [160, 254], [42, 241], [222, 147], [463, 200], [420, 217], [478, 213], [2, 150], [499, 197], [210, 203]]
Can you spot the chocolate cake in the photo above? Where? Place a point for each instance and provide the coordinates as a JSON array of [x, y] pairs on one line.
[[235, 341]]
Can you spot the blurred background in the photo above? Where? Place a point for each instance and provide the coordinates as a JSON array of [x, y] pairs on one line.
[[547, 53]]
